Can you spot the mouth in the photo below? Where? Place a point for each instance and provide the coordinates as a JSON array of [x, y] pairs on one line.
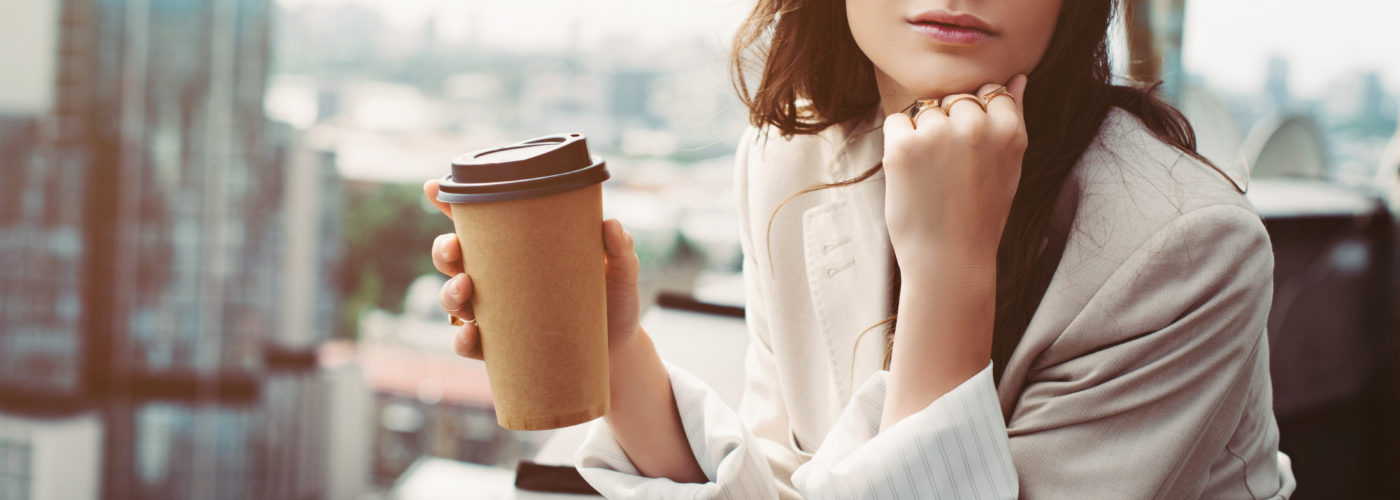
[[951, 27]]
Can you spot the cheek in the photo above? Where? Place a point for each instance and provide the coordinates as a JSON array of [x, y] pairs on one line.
[[865, 20], [1036, 20]]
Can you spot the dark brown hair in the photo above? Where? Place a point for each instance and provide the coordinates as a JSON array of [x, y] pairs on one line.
[[815, 76]]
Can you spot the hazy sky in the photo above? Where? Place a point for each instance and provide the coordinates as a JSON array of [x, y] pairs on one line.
[[1229, 41]]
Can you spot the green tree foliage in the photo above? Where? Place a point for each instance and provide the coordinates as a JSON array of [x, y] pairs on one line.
[[389, 233]]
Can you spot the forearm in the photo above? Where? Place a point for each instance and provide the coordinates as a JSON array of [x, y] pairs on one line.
[[643, 415], [943, 335]]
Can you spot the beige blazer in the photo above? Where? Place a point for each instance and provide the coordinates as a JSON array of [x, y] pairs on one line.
[[1143, 374]]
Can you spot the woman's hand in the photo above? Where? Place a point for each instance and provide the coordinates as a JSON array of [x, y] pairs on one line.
[[642, 414], [949, 179], [621, 272]]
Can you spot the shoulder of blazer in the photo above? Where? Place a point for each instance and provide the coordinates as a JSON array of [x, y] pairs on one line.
[[1131, 203], [1128, 189], [1126, 157], [1131, 183]]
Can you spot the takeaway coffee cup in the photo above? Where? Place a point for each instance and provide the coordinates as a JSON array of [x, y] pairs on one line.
[[529, 218]]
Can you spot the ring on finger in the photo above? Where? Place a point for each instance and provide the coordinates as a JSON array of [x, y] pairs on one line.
[[922, 110], [459, 321], [995, 93], [918, 105], [949, 101]]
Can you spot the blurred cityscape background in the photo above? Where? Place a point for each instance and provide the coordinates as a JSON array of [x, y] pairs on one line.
[[214, 272]]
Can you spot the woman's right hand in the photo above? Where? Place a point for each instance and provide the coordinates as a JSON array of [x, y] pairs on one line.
[[642, 411], [620, 263]]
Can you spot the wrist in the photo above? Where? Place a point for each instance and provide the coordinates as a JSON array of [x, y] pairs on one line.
[[625, 350], [944, 255], [973, 274], [630, 360], [950, 310]]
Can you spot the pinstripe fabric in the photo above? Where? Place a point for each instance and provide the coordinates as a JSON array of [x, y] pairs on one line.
[[1143, 373], [938, 452], [941, 451], [723, 445]]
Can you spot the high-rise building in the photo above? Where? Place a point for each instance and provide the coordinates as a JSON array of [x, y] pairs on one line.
[[41, 224], [164, 245]]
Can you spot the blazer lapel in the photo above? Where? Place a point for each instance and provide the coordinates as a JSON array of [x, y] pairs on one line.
[[849, 268]]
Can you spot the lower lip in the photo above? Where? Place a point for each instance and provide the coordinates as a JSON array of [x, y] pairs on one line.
[[951, 34]]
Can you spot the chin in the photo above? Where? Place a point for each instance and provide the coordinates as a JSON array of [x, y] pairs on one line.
[[937, 84], [941, 75]]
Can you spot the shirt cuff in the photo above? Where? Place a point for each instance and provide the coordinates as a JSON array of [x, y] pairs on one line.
[[956, 447], [725, 449]]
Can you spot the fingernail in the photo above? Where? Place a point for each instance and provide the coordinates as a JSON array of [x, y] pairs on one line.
[[454, 286]]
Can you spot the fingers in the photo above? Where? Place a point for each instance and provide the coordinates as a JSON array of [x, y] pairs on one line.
[[897, 125], [467, 342], [455, 294], [455, 297], [986, 88], [1008, 101], [1002, 109], [430, 188], [1017, 86], [930, 117], [960, 104], [447, 255], [622, 264]]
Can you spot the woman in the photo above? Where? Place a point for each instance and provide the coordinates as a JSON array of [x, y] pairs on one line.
[[1080, 297]]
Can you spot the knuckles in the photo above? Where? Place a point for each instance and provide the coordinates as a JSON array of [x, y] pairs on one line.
[[964, 137]]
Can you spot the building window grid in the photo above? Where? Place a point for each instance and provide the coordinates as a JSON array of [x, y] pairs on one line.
[[248, 223], [15, 474]]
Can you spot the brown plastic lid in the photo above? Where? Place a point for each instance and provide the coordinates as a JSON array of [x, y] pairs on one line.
[[537, 167]]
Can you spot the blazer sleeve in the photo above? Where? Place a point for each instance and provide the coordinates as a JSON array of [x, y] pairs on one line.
[[1141, 393], [1138, 398], [956, 447]]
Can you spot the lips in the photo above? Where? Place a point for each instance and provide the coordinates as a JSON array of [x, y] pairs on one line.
[[952, 21]]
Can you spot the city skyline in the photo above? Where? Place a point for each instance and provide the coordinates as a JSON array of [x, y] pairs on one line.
[[1226, 41]]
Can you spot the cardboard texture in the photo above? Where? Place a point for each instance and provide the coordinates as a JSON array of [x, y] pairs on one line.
[[540, 302]]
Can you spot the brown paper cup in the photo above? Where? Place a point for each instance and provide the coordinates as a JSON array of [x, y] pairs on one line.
[[540, 303]]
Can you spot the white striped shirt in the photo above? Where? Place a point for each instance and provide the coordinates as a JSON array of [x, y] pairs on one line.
[[956, 447]]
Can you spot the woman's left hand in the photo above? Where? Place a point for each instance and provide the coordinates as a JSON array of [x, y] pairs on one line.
[[949, 179]]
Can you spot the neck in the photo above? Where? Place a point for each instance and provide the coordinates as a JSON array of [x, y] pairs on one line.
[[893, 96]]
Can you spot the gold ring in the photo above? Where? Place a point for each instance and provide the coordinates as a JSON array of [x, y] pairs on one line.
[[459, 321], [913, 109], [927, 108], [995, 93], [949, 101]]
